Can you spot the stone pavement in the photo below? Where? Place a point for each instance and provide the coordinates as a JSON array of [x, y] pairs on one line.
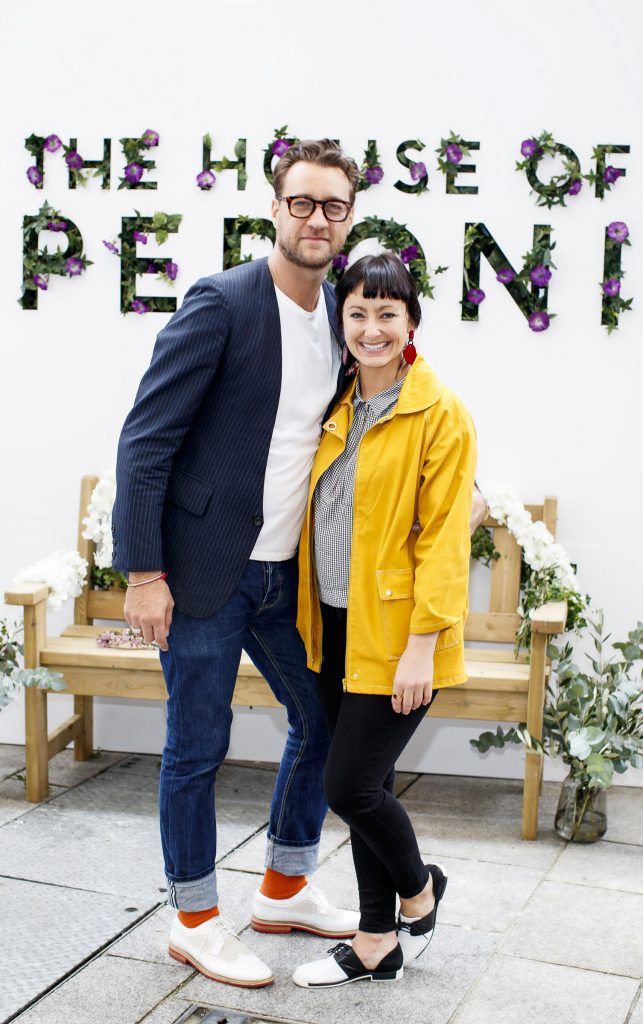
[[528, 932]]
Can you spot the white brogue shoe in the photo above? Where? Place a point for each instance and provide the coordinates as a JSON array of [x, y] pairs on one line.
[[307, 911], [217, 952]]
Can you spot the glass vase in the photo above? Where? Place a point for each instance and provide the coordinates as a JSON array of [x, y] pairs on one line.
[[581, 815]]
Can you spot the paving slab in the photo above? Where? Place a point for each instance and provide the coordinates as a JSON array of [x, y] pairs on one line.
[[602, 864], [49, 930], [428, 993], [12, 758], [166, 1012], [514, 989], [13, 801], [111, 990], [106, 832], [579, 926], [636, 1016], [65, 771]]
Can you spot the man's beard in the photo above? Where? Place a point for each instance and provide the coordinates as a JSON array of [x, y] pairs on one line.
[[311, 263]]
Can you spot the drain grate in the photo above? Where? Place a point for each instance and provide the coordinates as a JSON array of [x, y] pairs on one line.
[[196, 1014]]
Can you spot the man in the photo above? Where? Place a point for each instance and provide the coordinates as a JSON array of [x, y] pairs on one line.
[[212, 480]]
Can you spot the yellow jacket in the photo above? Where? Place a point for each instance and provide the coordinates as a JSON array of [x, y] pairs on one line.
[[417, 462]]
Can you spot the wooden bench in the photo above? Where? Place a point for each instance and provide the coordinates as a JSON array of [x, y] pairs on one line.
[[499, 688]]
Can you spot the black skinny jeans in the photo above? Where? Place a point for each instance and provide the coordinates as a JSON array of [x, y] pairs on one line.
[[367, 737]]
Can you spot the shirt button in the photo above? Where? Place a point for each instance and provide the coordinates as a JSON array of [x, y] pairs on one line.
[[257, 520], [355, 675], [388, 593], [331, 425]]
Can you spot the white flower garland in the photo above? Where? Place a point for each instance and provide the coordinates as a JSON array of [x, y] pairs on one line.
[[540, 550], [64, 572], [98, 521]]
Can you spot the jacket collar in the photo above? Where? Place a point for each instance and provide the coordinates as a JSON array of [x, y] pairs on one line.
[[421, 389]]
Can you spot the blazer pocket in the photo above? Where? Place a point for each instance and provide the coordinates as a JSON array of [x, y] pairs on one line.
[[189, 492], [395, 589]]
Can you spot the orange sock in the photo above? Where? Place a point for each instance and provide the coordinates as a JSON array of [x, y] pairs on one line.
[[193, 918], [281, 887]]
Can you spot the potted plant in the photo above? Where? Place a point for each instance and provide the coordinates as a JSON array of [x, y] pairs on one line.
[[593, 720]]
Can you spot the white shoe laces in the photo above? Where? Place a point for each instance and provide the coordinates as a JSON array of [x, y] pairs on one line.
[[318, 897]]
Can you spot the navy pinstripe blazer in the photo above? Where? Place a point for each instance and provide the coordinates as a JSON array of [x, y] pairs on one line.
[[193, 450]]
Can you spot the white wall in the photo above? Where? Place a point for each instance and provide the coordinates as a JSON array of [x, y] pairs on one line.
[[557, 413]]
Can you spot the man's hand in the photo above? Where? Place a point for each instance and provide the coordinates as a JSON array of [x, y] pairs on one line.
[[413, 683], [478, 511], [149, 608]]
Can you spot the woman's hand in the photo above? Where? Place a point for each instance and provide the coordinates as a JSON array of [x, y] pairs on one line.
[[413, 683]]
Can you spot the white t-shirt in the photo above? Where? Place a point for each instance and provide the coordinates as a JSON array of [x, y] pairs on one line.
[[310, 364]]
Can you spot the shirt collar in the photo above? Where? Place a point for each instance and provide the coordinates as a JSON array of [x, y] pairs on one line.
[[381, 402]]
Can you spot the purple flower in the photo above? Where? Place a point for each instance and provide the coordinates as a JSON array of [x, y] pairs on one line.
[[539, 321], [34, 175], [171, 269], [73, 266], [56, 225], [506, 275], [74, 160], [418, 170], [611, 286], [150, 138], [476, 296], [133, 173], [150, 269], [618, 231], [540, 276], [52, 144], [528, 147], [454, 153], [610, 174], [138, 236], [40, 281], [340, 261], [410, 253], [205, 179], [112, 248], [575, 187], [138, 306], [373, 175], [280, 146]]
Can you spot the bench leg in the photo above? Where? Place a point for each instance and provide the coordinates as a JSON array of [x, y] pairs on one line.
[[84, 744], [36, 741], [530, 795]]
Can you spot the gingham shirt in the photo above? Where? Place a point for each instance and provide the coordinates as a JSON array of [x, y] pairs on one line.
[[333, 499]]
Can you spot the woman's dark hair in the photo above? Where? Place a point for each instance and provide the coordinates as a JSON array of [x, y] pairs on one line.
[[382, 277]]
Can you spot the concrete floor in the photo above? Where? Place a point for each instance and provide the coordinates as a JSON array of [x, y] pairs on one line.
[[527, 931]]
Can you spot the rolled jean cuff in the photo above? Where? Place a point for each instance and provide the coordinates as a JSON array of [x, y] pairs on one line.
[[291, 860], [198, 894]]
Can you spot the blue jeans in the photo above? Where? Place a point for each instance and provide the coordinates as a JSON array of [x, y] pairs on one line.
[[200, 671]]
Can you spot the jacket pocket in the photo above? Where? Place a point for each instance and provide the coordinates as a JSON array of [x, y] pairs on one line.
[[450, 637], [395, 589], [189, 492]]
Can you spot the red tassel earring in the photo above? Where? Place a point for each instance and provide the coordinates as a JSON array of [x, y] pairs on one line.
[[409, 351]]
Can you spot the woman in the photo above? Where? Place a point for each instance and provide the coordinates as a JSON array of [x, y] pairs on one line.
[[382, 605]]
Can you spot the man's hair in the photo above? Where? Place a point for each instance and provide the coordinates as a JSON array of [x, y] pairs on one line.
[[382, 277], [323, 152]]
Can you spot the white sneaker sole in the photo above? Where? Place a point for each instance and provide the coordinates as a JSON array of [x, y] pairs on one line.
[[183, 958], [283, 927], [348, 981]]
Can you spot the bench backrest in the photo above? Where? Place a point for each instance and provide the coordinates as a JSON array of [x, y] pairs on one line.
[[497, 625]]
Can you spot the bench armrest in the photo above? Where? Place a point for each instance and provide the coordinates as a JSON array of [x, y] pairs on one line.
[[27, 594], [549, 618]]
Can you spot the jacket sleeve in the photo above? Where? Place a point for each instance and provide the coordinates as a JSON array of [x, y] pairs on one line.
[[443, 547], [184, 362]]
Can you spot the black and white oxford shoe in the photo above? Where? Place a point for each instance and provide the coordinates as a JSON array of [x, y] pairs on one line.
[[415, 934], [343, 966]]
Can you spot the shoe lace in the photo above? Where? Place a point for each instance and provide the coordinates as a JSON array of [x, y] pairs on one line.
[[338, 947], [318, 896]]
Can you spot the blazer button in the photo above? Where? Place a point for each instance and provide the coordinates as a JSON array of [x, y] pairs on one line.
[[257, 520], [331, 425], [388, 593]]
